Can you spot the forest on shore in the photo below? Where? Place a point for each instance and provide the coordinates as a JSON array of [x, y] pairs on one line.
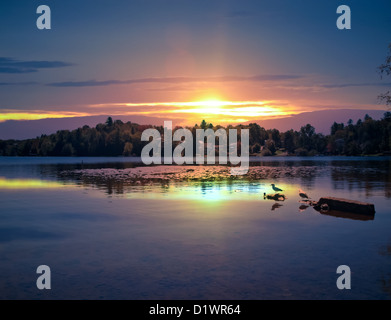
[[115, 138]]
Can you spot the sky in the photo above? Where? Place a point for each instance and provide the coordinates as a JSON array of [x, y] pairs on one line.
[[226, 61]]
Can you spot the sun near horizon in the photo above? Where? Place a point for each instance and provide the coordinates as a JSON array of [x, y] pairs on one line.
[[216, 110]]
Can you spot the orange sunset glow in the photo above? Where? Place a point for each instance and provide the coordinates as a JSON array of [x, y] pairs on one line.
[[220, 65], [214, 110]]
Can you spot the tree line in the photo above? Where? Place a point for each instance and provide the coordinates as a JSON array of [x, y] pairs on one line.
[[115, 138]]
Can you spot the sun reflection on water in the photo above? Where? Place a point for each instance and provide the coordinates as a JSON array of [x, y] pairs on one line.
[[30, 184]]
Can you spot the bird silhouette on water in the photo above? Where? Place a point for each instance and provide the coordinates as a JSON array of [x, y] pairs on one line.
[[276, 206], [303, 207], [275, 188], [303, 195]]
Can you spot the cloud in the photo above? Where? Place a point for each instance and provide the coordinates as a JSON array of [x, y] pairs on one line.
[[314, 86], [17, 83], [16, 70], [9, 65], [89, 83], [175, 80], [346, 85], [276, 77]]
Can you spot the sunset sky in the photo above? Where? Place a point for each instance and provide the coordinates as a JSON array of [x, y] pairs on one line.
[[221, 60]]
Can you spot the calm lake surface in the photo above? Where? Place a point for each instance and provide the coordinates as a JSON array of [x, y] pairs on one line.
[[106, 239]]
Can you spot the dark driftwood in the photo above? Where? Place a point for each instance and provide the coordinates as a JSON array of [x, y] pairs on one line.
[[344, 205], [348, 215]]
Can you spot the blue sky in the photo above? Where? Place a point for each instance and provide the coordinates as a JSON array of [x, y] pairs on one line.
[[100, 56]]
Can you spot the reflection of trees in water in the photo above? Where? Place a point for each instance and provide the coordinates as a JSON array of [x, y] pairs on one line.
[[307, 182], [369, 176], [386, 284], [386, 278], [291, 170], [360, 177], [114, 187], [210, 186], [124, 185], [53, 170]]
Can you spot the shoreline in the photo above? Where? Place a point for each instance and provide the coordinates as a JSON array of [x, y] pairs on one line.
[[199, 173]]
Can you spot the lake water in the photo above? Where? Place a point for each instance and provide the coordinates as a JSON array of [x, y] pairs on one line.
[[105, 238]]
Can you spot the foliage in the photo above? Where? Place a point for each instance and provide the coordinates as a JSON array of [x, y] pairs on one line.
[[385, 70], [115, 138]]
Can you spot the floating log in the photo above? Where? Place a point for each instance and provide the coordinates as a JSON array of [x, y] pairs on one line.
[[344, 205]]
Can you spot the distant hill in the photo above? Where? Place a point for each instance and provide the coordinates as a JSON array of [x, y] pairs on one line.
[[27, 129], [320, 120]]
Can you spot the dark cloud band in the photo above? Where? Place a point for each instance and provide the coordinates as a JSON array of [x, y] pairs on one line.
[[9, 65], [95, 83]]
